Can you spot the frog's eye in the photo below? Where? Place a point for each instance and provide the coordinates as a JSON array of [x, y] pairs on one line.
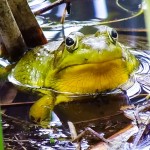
[[113, 35], [71, 43]]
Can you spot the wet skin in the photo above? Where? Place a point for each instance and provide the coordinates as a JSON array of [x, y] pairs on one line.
[[81, 65]]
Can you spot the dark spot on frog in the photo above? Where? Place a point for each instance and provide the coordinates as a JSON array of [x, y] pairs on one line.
[[85, 59]]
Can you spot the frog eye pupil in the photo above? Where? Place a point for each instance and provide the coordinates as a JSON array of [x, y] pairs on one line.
[[114, 34], [69, 41]]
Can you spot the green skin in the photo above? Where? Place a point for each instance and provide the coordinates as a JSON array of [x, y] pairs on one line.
[[53, 69]]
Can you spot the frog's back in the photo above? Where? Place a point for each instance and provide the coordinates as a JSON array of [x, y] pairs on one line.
[[32, 67]]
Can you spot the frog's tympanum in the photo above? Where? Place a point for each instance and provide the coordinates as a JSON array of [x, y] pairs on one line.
[[82, 64]]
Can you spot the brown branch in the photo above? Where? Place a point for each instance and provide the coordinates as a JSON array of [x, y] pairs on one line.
[[123, 135], [27, 23], [10, 33], [57, 3]]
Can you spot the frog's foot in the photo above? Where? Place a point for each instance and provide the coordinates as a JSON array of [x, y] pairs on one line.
[[40, 111]]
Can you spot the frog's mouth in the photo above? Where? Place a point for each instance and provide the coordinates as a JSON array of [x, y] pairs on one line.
[[92, 77], [99, 65]]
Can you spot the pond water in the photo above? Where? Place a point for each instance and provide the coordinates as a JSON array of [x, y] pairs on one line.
[[20, 134]]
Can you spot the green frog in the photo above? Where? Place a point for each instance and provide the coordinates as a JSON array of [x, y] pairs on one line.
[[80, 65]]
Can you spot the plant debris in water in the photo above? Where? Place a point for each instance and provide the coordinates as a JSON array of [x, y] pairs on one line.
[[20, 134]]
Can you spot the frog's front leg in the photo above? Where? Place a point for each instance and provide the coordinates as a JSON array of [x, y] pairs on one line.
[[40, 111]]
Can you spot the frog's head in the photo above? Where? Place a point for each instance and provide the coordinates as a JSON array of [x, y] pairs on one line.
[[98, 48], [93, 63]]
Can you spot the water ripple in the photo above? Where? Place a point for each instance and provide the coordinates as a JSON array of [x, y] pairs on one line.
[[141, 80]]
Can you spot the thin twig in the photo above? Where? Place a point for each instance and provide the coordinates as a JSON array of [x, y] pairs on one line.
[[11, 140], [142, 128], [52, 5], [63, 16], [67, 9], [19, 121], [17, 103], [74, 134], [20, 143], [100, 118], [72, 130], [92, 132]]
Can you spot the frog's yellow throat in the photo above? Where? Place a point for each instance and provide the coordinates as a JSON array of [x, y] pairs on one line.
[[91, 78]]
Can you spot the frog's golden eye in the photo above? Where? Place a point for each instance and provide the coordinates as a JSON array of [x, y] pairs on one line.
[[113, 35], [71, 43]]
